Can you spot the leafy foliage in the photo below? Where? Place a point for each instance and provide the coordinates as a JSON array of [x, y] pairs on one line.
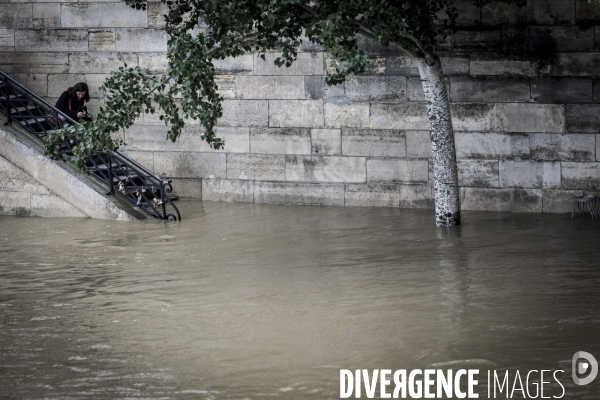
[[201, 31]]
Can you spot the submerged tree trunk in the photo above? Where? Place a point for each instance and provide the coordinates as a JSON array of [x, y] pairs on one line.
[[443, 151]]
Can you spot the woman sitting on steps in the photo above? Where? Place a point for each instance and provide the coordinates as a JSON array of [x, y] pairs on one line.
[[72, 102]]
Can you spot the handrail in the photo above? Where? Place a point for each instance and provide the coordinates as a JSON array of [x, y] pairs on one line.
[[136, 183], [38, 98]]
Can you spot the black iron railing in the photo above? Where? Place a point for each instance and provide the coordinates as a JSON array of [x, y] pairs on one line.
[[123, 175]]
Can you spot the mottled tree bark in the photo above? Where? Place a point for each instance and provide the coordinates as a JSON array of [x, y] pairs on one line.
[[443, 151]]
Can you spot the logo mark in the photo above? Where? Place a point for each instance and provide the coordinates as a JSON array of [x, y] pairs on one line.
[[583, 363]]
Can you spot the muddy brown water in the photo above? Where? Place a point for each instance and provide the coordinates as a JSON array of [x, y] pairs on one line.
[[246, 301]]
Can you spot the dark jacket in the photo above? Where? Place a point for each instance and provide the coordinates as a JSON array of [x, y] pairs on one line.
[[63, 104]]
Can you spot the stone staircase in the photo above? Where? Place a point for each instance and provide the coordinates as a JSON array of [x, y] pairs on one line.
[[140, 191]]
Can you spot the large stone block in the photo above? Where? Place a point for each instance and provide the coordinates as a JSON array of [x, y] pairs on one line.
[[554, 12], [100, 63], [501, 64], [561, 90], [397, 170], [38, 83], [376, 88], [187, 189], [414, 89], [550, 39], [237, 139], [372, 195], [280, 140], [256, 166], [226, 86], [491, 145], [305, 64], [15, 203], [373, 143], [583, 118], [296, 113], [586, 13], [577, 64], [189, 164], [94, 81], [404, 116], [418, 144], [151, 138], [243, 64], [478, 173], [489, 89], [102, 39], [141, 40], [472, 116], [404, 65], [269, 87], [52, 40], [559, 201], [325, 169], [530, 174], [581, 176], [299, 193], [153, 62], [315, 88], [470, 40], [52, 206], [547, 118], [352, 115], [557, 147], [377, 65], [513, 200], [7, 39], [455, 65], [228, 190], [498, 13], [156, 14], [416, 196], [468, 14], [38, 62], [46, 15], [245, 113], [371, 46], [102, 15], [16, 16], [514, 39], [326, 142]]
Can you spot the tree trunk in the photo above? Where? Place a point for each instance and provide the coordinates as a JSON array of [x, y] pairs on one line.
[[443, 151]]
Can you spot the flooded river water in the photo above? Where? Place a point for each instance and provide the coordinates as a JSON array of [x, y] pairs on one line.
[[246, 301]]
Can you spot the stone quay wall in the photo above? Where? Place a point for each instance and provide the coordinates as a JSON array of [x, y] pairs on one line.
[[524, 85]]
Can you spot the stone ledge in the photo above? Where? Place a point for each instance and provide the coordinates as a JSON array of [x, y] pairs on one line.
[[514, 200], [559, 201], [372, 195], [299, 193], [228, 190]]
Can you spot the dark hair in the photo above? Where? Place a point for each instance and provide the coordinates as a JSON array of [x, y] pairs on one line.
[[80, 87]]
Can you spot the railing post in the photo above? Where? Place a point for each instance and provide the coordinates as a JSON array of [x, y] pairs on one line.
[[8, 90], [110, 177]]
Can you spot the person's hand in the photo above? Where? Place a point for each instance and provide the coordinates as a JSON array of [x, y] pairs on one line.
[[80, 115]]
